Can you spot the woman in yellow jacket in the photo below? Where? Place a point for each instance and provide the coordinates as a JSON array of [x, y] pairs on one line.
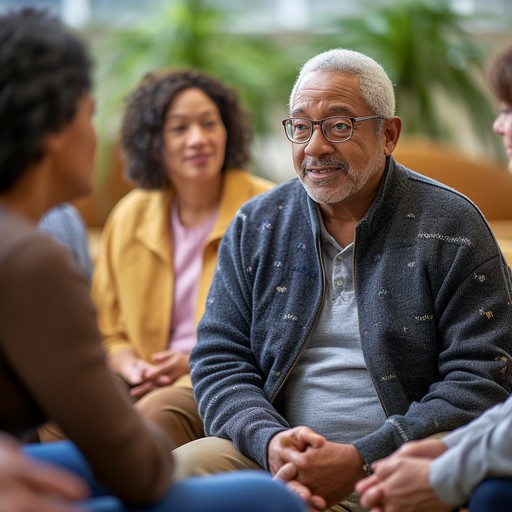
[[186, 141]]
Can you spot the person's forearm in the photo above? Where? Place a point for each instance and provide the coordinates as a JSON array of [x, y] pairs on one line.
[[477, 455], [488, 419]]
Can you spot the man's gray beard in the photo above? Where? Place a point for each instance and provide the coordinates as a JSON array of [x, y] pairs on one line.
[[313, 162], [357, 178]]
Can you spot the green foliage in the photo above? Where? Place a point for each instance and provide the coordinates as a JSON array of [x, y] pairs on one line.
[[422, 44], [429, 56], [191, 34]]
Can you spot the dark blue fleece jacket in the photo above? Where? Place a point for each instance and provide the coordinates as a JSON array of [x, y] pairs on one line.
[[433, 296]]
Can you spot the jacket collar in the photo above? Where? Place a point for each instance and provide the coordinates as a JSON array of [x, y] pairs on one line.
[[391, 191], [153, 230], [235, 192]]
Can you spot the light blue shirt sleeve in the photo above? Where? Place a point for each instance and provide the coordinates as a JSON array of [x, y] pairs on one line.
[[481, 449], [66, 226]]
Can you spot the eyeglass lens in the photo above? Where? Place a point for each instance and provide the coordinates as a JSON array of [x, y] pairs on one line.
[[335, 129]]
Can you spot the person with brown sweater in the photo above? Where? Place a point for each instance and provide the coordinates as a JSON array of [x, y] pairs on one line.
[[52, 365]]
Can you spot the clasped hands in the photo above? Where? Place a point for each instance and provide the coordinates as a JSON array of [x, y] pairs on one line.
[[144, 377], [321, 472], [400, 482]]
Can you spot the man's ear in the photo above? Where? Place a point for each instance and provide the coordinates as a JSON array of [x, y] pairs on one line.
[[391, 129]]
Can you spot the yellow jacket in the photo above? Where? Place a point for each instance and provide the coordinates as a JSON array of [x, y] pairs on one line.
[[133, 277]]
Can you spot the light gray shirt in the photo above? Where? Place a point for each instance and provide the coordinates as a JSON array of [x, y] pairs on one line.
[[330, 388], [65, 225], [481, 449]]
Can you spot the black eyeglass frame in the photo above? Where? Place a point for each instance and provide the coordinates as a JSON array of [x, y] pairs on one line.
[[353, 121]]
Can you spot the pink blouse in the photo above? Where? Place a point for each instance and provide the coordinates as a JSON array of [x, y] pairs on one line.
[[188, 245]]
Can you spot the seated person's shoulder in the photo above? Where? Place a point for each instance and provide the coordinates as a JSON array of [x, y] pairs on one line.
[[29, 254], [257, 183], [36, 273], [19, 236], [61, 216], [132, 207], [280, 193]]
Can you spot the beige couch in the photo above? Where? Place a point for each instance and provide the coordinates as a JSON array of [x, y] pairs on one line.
[[487, 184]]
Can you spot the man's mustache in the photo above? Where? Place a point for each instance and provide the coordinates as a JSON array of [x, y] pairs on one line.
[[309, 163]]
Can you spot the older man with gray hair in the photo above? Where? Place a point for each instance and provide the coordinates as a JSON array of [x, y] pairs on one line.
[[355, 308]]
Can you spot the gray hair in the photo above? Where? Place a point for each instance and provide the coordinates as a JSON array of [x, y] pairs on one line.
[[375, 86]]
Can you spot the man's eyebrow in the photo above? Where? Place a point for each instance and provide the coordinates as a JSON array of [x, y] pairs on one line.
[[297, 112], [336, 109], [342, 110]]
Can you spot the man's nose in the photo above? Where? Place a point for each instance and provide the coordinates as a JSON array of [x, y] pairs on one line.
[[318, 144]]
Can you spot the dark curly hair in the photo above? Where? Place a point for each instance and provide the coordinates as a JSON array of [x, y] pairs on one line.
[[499, 75], [44, 71], [142, 128]]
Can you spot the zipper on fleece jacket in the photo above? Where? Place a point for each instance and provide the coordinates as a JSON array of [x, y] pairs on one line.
[[306, 339]]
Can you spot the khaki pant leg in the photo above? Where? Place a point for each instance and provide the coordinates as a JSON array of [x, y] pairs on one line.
[[174, 409], [351, 504], [209, 456], [212, 455]]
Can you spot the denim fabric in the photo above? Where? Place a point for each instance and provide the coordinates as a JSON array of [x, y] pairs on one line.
[[250, 491]]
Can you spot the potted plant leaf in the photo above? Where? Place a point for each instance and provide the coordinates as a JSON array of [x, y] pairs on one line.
[[434, 62]]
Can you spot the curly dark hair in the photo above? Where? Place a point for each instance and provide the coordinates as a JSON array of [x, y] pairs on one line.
[[44, 71], [142, 128], [499, 75]]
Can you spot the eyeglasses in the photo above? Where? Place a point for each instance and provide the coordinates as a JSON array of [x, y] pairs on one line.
[[299, 130]]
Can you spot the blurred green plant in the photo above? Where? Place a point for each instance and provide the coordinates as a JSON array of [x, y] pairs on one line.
[[422, 44], [192, 34], [430, 58]]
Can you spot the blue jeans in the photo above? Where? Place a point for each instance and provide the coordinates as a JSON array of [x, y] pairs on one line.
[[250, 491], [492, 495]]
